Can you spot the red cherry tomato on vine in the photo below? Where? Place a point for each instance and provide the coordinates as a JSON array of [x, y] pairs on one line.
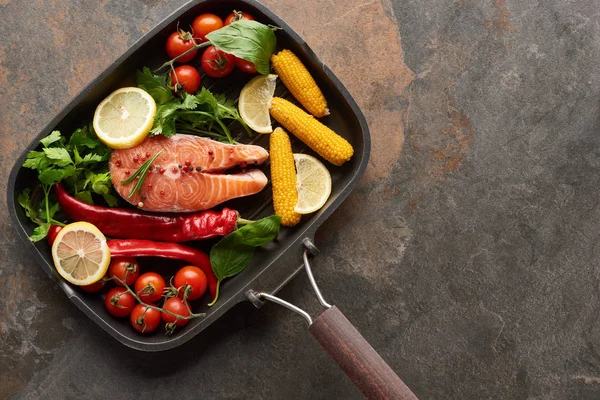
[[194, 278], [187, 76], [95, 287], [245, 66], [149, 287], [178, 43], [125, 269], [119, 302], [176, 306], [232, 16], [217, 63], [144, 319], [205, 24]]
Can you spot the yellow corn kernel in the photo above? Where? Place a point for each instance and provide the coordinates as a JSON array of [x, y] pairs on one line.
[[309, 130], [299, 82], [283, 177]]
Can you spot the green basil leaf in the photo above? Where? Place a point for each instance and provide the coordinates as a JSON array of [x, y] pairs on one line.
[[260, 232], [232, 254], [228, 259], [250, 40]]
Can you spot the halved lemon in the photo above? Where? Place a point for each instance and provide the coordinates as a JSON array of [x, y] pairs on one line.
[[124, 118], [313, 182], [80, 253], [255, 100]]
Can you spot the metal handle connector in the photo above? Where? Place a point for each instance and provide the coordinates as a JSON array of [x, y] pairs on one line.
[[287, 305], [313, 282], [255, 297]]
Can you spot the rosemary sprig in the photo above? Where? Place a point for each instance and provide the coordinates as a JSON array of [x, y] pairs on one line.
[[141, 172]]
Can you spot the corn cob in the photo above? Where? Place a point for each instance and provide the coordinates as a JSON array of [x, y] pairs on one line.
[[300, 83], [308, 129], [283, 177]]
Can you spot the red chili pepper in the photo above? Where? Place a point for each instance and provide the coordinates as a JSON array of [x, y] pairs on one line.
[[52, 232], [149, 248], [133, 224]]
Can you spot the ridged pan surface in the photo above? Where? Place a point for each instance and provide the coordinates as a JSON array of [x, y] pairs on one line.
[[272, 266]]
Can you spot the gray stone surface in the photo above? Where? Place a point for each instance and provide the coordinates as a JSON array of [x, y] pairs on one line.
[[468, 255]]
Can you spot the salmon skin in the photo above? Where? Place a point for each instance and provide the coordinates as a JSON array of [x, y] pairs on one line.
[[188, 175]]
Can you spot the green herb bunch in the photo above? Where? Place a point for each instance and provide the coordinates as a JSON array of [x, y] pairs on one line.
[[204, 113], [79, 162]]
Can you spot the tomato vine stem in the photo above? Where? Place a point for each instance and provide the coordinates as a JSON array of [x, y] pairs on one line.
[[171, 62], [161, 309]]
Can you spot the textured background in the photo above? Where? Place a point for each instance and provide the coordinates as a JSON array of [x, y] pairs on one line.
[[468, 255]]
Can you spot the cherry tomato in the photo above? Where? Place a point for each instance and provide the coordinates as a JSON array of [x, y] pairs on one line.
[[186, 76], [178, 43], [149, 287], [245, 66], [119, 302], [124, 268], [144, 319], [232, 16], [194, 278], [205, 24], [176, 306], [52, 232], [217, 63], [95, 287]]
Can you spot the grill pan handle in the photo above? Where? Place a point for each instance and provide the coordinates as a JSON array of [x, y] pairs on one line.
[[342, 341], [369, 372]]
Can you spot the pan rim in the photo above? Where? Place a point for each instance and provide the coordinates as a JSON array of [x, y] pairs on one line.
[[308, 231]]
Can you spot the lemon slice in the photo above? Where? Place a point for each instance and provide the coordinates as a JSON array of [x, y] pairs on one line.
[[124, 118], [254, 103], [313, 183], [80, 253]]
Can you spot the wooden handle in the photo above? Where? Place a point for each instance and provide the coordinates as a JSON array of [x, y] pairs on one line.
[[357, 358]]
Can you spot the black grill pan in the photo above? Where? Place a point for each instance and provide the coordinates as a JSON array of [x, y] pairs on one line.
[[272, 266]]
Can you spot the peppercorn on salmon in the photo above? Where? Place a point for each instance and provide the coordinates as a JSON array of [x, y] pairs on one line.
[[283, 177], [299, 82], [309, 130], [189, 173]]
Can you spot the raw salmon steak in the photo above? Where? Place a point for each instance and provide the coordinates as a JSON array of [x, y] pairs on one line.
[[189, 173]]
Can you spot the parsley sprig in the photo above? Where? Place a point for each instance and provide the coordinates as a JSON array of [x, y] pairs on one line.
[[203, 113], [79, 162]]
